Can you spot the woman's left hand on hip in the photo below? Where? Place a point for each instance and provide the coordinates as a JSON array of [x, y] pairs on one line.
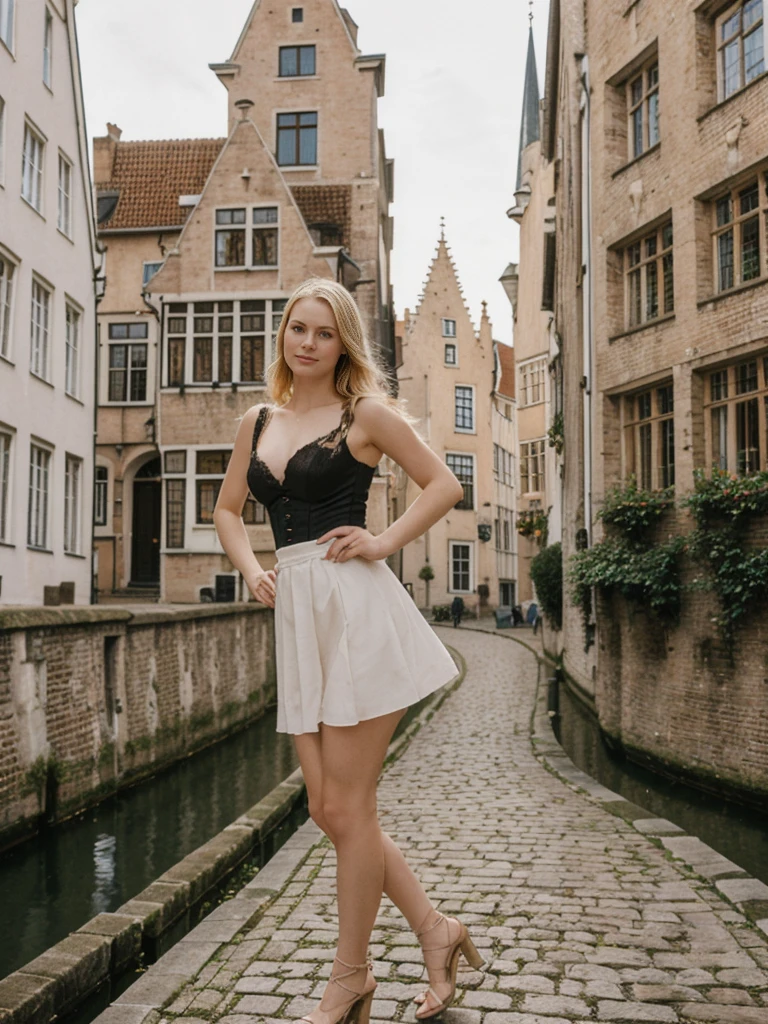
[[351, 542]]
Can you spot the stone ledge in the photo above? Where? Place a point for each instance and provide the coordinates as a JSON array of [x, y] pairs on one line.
[[23, 617]]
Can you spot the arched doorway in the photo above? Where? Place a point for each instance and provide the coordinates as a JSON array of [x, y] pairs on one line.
[[145, 543]]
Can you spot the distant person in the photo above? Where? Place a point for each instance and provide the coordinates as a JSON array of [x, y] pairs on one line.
[[532, 617], [352, 649], [457, 610], [517, 616]]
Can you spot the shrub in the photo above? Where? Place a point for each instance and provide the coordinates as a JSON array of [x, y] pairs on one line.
[[631, 510], [547, 576], [441, 612]]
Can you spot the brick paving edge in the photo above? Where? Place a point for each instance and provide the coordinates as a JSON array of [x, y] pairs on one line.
[[142, 1002]]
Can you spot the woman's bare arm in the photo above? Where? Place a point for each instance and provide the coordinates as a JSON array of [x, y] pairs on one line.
[[228, 515]]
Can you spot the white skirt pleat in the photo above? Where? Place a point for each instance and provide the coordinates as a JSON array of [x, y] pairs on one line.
[[350, 643]]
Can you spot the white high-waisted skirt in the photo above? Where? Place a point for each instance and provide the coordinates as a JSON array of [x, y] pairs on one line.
[[350, 642]]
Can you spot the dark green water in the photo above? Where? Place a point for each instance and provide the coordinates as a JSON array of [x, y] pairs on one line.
[[738, 832], [54, 883]]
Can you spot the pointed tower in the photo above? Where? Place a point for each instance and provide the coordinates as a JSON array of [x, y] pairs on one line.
[[446, 379], [529, 129]]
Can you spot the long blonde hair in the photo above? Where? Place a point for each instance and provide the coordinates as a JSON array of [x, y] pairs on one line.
[[358, 375]]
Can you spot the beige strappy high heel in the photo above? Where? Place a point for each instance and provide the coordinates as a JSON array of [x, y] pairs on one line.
[[358, 1011], [463, 944]]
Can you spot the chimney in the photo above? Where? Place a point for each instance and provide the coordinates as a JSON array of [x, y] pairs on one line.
[[104, 151]]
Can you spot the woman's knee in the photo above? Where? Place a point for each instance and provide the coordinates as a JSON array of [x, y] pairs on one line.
[[344, 816], [316, 814]]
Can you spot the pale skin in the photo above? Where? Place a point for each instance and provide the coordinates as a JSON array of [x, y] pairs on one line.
[[341, 766]]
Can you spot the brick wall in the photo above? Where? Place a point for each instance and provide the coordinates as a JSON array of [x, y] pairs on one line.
[[95, 699]]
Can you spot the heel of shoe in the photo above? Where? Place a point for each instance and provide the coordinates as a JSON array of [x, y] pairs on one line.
[[471, 954], [361, 1010]]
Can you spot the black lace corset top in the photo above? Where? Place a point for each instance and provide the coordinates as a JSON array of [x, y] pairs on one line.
[[324, 485]]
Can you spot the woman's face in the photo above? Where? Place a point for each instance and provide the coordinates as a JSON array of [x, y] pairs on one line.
[[312, 343]]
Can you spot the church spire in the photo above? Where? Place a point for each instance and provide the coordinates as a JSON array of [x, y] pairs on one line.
[[529, 124]]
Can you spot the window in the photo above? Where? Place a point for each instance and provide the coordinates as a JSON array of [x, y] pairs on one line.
[[6, 22], [740, 46], [210, 469], [100, 491], [5, 485], [650, 437], [506, 593], [505, 528], [230, 341], [643, 106], [463, 468], [32, 168], [65, 196], [72, 344], [739, 234], [461, 567], [39, 349], [464, 408], [2, 138], [450, 355], [736, 407], [648, 268], [149, 271], [297, 15], [230, 238], [37, 512], [449, 328], [297, 60], [502, 465], [532, 381], [7, 271], [127, 363], [532, 466], [264, 237], [47, 48], [72, 484], [297, 139]]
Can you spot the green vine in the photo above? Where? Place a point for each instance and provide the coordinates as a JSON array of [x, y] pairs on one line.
[[632, 510], [556, 434]]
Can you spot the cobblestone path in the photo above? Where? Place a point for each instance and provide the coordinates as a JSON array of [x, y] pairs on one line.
[[580, 916]]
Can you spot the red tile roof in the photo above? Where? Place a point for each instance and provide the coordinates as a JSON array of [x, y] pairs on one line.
[[325, 204], [507, 362], [150, 177]]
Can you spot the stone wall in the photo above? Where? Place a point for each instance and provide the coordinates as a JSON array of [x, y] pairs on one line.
[[93, 699]]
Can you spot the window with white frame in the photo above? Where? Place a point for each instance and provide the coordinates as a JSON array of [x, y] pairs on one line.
[[32, 168], [100, 495], [461, 567], [463, 468], [37, 509], [449, 328], [740, 45], [210, 468], [72, 355], [237, 248], [7, 10], [221, 342], [40, 320], [506, 593], [174, 479], [649, 436], [6, 439], [533, 377], [48, 49], [127, 363], [149, 271], [736, 403], [643, 108], [532, 457], [464, 408], [7, 272], [450, 356], [73, 475], [265, 237], [740, 233], [503, 467], [505, 528], [649, 275], [65, 196]]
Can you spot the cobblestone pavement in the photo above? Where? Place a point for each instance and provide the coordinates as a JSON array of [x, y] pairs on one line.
[[580, 916]]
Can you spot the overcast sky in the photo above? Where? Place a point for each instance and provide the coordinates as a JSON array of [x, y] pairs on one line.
[[450, 113]]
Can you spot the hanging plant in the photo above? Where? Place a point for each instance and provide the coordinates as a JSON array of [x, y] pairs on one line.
[[556, 434], [533, 524]]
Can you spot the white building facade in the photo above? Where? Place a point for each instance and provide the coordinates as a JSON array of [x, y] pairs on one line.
[[47, 310]]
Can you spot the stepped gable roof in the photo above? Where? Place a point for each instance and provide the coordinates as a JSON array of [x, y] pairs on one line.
[[325, 204], [507, 364], [151, 175], [442, 255], [529, 123]]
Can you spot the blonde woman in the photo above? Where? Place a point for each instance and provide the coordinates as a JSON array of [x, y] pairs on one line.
[[352, 650]]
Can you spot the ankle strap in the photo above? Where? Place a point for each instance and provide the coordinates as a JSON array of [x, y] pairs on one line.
[[429, 928], [353, 967]]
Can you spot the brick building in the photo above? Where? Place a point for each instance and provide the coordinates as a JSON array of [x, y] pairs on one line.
[[450, 379], [206, 239], [655, 125], [47, 310]]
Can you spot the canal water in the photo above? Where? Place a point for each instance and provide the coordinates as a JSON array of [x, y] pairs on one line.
[[738, 832], [54, 883]]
